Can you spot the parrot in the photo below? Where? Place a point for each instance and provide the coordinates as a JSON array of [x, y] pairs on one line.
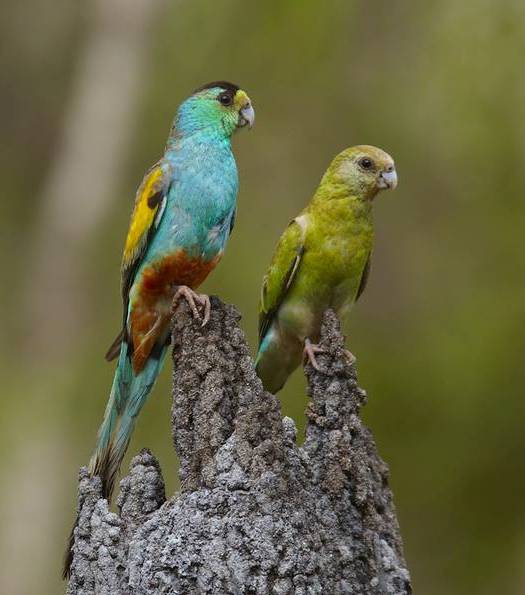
[[322, 261], [183, 215]]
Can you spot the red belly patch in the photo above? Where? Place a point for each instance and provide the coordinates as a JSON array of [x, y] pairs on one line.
[[150, 312]]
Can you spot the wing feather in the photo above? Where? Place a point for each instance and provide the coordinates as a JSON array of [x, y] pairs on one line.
[[150, 202], [364, 278], [282, 272]]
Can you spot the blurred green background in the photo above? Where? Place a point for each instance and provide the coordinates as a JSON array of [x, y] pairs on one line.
[[88, 93]]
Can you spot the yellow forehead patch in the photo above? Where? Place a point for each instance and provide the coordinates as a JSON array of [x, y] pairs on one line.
[[240, 99]]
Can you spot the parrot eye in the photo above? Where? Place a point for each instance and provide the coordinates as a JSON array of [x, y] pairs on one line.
[[225, 98], [366, 163]]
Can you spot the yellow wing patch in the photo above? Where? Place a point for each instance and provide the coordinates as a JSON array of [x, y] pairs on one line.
[[145, 210]]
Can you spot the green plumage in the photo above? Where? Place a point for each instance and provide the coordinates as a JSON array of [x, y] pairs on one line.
[[321, 260]]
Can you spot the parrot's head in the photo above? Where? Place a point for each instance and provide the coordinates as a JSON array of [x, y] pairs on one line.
[[364, 170], [219, 108]]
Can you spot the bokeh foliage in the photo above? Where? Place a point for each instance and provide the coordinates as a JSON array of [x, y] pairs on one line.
[[439, 333]]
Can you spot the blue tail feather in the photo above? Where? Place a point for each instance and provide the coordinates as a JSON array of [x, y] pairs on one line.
[[128, 394]]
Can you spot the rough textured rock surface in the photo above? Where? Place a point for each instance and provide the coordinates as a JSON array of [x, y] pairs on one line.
[[256, 514]]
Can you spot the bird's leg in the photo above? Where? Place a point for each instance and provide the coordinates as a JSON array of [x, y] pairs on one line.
[[310, 349], [193, 298]]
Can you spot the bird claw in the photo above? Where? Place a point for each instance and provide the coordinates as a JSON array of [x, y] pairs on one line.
[[206, 305], [310, 349], [193, 298]]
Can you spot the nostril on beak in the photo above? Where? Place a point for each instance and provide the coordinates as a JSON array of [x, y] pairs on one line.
[[390, 168]]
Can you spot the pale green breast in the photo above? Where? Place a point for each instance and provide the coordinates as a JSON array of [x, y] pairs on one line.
[[337, 248]]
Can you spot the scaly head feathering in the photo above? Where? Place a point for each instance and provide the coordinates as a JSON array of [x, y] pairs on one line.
[[359, 172], [219, 107]]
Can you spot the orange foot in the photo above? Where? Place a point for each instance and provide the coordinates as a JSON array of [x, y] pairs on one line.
[[193, 298]]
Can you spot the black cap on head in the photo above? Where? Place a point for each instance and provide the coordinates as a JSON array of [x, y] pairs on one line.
[[221, 84]]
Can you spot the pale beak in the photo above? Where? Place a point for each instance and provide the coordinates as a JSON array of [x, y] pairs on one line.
[[247, 115], [387, 178]]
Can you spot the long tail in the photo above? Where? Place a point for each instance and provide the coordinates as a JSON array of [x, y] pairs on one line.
[[128, 394]]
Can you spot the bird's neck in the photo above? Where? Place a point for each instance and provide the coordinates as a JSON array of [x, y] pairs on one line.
[[338, 202], [206, 138]]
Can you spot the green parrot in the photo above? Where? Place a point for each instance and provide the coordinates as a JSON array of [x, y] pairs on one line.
[[322, 261]]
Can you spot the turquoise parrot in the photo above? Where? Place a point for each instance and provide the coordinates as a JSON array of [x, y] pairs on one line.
[[183, 216], [321, 261]]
